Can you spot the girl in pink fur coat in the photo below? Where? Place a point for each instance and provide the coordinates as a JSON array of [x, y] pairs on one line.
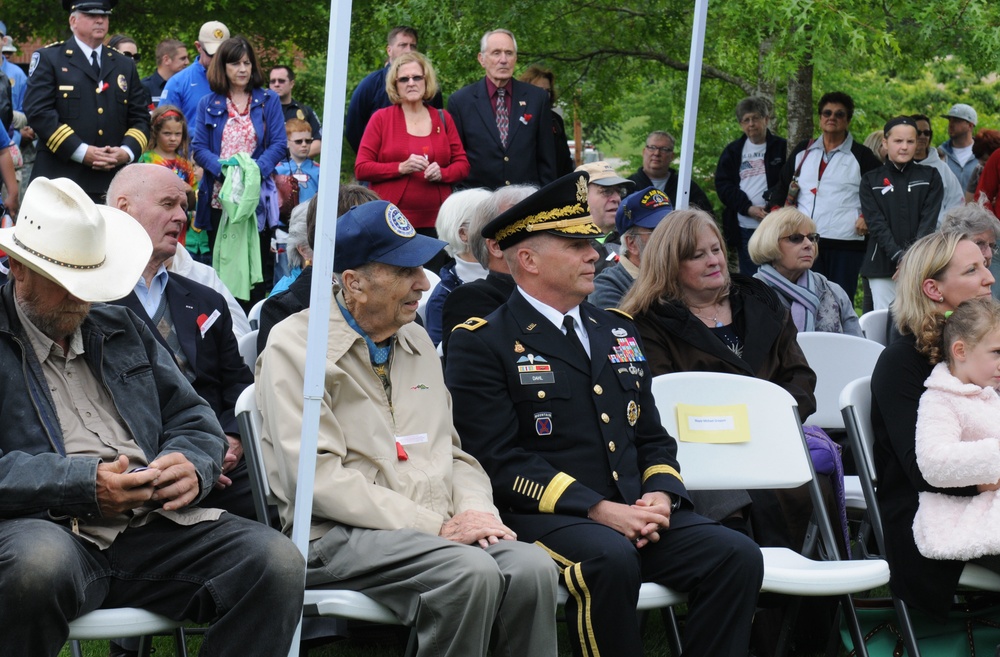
[[958, 437]]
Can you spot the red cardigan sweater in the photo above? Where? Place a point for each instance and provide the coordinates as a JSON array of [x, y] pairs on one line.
[[386, 143]]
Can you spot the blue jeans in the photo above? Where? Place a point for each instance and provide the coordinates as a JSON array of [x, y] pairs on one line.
[[233, 572], [747, 266]]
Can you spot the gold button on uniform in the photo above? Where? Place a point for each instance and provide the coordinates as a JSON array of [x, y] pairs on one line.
[[541, 394], [598, 390], [100, 132], [100, 110], [604, 418], [611, 445], [614, 473], [506, 159]]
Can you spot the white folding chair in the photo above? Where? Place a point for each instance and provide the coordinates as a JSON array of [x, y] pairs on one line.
[[354, 605], [124, 622], [775, 456], [333, 603], [856, 406], [254, 315], [874, 325], [247, 345], [837, 359]]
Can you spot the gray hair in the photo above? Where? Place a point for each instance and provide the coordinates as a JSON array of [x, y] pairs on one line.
[[754, 105], [662, 133], [482, 42], [500, 201], [970, 220], [455, 213], [297, 236]]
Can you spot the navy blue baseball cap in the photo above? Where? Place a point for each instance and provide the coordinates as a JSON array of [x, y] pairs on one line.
[[378, 232], [644, 208]]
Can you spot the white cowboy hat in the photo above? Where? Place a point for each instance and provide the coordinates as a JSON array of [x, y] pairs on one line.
[[95, 252]]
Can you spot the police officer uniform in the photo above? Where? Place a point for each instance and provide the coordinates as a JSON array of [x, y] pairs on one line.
[[559, 430], [68, 104]]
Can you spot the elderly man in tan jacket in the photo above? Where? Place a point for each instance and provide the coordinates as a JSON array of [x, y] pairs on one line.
[[401, 512]]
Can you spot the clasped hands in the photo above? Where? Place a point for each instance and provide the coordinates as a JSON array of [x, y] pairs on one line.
[[641, 522], [473, 526], [169, 479], [105, 158], [415, 163]]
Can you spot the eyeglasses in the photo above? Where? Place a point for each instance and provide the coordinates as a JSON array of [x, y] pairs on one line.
[[924, 133], [796, 238], [133, 56], [299, 142], [752, 118], [415, 78], [984, 245], [839, 114], [607, 191], [279, 81], [662, 150]]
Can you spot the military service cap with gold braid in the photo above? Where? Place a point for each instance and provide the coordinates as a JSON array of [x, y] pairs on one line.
[[559, 208]]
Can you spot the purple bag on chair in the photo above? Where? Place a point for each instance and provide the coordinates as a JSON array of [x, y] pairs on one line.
[[826, 460]]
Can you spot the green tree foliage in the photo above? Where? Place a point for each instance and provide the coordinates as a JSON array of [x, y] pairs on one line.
[[618, 59]]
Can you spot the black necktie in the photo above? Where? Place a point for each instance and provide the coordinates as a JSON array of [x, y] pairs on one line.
[[94, 64], [573, 337]]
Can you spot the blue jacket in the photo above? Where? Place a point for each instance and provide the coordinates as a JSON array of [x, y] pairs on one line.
[[185, 89], [433, 314], [159, 407], [208, 124], [963, 173]]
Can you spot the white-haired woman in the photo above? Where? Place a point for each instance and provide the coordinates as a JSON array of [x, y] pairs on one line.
[[452, 227], [784, 247]]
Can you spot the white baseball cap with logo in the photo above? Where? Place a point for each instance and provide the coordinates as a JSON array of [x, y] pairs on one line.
[[211, 36]]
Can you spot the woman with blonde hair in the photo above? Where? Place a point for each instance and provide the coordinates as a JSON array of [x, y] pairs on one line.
[[784, 247], [693, 316], [411, 152], [937, 273]]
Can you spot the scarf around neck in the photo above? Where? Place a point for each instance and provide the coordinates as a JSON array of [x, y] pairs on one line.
[[801, 296]]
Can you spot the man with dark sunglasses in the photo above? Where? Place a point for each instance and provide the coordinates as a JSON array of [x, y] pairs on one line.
[[822, 178], [924, 154], [281, 81]]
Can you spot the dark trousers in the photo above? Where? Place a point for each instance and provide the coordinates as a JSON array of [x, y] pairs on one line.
[[839, 264], [747, 266], [233, 572], [720, 569]]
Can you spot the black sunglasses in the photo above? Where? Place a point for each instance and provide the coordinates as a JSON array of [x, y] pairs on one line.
[[796, 238], [924, 133], [415, 78], [136, 57], [302, 141], [840, 114]]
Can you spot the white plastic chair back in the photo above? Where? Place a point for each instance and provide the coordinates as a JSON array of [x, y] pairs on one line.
[[837, 359], [873, 325], [248, 348]]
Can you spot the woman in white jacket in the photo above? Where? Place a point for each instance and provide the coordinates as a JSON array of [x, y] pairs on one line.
[[957, 442]]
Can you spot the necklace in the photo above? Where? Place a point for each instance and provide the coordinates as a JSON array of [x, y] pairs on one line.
[[246, 108], [715, 317]]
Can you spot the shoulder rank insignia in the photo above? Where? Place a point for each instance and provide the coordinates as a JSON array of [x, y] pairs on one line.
[[620, 312], [471, 324]]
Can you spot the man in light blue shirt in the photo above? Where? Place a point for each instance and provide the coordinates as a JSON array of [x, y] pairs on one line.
[[190, 85]]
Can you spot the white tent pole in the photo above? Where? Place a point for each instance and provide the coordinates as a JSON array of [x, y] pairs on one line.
[[334, 96], [683, 199]]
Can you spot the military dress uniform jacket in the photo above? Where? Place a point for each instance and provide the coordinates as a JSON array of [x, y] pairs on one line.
[[558, 434], [67, 106]]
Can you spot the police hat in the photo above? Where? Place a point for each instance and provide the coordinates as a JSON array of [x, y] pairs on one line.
[[559, 208], [378, 232], [644, 208], [90, 6]]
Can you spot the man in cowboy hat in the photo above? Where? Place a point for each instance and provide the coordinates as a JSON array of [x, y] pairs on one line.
[[85, 103], [401, 512], [554, 400], [105, 451]]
